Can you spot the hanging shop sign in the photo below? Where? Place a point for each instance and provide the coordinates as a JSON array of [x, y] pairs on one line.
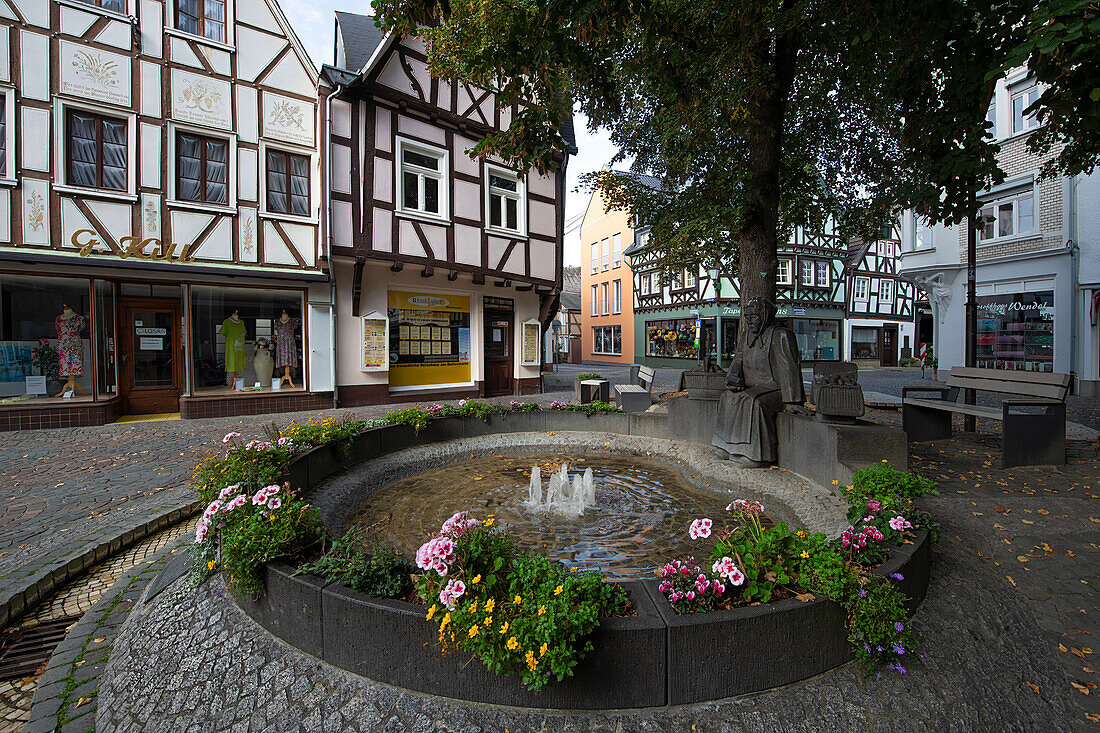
[[429, 339], [87, 241]]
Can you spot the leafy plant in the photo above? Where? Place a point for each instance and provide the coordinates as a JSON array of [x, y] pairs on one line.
[[881, 487], [46, 359], [382, 573], [589, 408], [517, 612], [589, 375], [321, 432], [764, 555], [414, 417]]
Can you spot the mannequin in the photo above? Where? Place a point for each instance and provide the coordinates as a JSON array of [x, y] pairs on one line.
[[286, 351], [233, 329], [70, 348]]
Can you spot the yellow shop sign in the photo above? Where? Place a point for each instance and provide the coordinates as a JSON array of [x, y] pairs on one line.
[[86, 241]]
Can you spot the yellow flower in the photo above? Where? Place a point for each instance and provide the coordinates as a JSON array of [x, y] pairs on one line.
[[488, 621], [801, 533], [210, 565], [512, 643], [516, 600], [531, 661], [504, 628], [490, 605], [431, 612], [542, 649], [473, 608], [446, 620], [558, 590], [476, 579], [542, 610], [473, 631], [489, 522], [884, 460], [805, 555], [835, 482]]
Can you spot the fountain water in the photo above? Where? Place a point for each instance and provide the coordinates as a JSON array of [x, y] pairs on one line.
[[562, 496]]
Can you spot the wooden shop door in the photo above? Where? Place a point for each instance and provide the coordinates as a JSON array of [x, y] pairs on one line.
[[150, 356], [888, 346], [498, 353]]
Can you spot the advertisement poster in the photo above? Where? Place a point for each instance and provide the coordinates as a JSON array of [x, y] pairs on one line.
[[429, 334], [375, 344], [531, 338]]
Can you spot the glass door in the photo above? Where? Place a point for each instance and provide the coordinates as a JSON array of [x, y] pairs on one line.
[[150, 356]]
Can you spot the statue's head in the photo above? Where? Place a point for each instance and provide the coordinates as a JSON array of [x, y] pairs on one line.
[[758, 313]]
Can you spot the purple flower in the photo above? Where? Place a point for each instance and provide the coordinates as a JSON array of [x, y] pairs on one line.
[[862, 593], [898, 648], [897, 576], [898, 626]]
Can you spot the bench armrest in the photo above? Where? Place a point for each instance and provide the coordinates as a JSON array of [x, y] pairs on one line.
[[942, 391], [1008, 404]]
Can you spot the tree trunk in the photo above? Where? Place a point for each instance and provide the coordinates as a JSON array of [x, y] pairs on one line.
[[759, 234]]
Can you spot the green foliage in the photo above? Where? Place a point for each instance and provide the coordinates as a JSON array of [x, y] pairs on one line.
[[520, 613], [895, 490], [382, 573], [252, 538], [589, 375], [764, 555], [321, 432], [414, 417], [239, 465], [588, 408], [45, 358]]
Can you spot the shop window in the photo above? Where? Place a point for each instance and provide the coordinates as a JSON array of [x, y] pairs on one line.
[[671, 338], [105, 343], [818, 339], [430, 336], [1021, 100], [864, 343], [422, 180], [287, 183], [860, 288], [202, 169], [45, 339], [1016, 331], [205, 18], [507, 200], [97, 151], [246, 338], [783, 272], [607, 340]]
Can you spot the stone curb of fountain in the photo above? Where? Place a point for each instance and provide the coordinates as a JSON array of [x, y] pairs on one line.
[[41, 582], [73, 671]]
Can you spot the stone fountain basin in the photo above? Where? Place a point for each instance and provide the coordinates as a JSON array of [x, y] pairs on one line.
[[653, 659]]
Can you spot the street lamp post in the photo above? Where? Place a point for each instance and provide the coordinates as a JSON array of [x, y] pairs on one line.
[[715, 275], [971, 306]]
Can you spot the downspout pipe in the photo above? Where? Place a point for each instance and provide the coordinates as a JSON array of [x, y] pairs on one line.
[[333, 331]]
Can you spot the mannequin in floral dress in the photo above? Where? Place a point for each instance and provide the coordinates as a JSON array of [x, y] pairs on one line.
[[70, 349], [286, 350]]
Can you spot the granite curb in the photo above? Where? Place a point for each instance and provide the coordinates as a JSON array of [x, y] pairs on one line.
[[41, 583], [58, 683]]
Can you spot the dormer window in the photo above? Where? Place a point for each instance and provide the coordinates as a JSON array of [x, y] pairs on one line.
[[205, 18], [422, 180]]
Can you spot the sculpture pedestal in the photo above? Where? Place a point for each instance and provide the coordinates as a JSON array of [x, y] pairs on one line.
[[823, 451], [692, 420]]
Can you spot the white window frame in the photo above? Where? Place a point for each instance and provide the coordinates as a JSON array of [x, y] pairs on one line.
[[993, 206], [61, 150], [885, 291], [8, 94], [314, 183], [1027, 122], [230, 207], [646, 284], [229, 44], [822, 267], [605, 257], [595, 257], [617, 297], [616, 249], [691, 278], [783, 272], [595, 300], [82, 5], [861, 289], [604, 310], [919, 224], [606, 333], [443, 176], [803, 280], [519, 196]]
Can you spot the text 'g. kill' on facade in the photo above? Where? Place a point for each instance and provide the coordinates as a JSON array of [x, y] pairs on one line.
[[447, 267], [159, 213]]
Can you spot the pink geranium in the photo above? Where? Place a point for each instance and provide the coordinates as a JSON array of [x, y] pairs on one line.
[[900, 523], [274, 503], [229, 436], [260, 498], [228, 491], [450, 594], [700, 529], [237, 501], [874, 505], [201, 530]]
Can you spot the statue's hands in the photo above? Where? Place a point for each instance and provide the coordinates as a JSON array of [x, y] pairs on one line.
[[735, 384], [796, 409]]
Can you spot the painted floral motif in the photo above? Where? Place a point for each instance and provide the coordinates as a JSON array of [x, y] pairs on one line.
[[96, 70], [36, 212], [284, 114], [248, 228], [199, 96], [150, 217]]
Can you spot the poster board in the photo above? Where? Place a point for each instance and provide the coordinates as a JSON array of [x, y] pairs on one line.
[[375, 339], [529, 346]]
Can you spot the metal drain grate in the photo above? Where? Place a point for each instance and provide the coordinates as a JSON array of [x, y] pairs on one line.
[[25, 650]]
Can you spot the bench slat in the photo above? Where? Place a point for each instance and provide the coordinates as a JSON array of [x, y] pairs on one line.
[[630, 388], [1009, 376], [1027, 389], [962, 408]]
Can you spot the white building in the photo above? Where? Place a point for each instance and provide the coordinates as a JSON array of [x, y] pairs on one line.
[[882, 307], [1038, 260], [159, 212]]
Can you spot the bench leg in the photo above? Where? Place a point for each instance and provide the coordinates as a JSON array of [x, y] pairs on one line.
[[923, 423], [1035, 439]]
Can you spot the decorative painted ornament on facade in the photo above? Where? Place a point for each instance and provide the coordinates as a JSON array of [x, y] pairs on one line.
[[36, 212], [86, 241]]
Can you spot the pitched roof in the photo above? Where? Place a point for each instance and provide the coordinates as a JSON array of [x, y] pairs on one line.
[[571, 279], [857, 248], [570, 301], [360, 38]]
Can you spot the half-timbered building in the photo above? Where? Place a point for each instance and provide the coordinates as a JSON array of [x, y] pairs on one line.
[[881, 326], [696, 312], [159, 212], [447, 267]]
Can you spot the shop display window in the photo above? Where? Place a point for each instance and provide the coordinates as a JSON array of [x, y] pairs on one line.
[[671, 338], [45, 339], [864, 343], [105, 343], [430, 338], [607, 340], [245, 339], [1016, 332], [818, 339]]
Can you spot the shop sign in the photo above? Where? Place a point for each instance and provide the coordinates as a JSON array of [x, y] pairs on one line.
[[86, 241], [375, 342], [799, 310], [532, 335]]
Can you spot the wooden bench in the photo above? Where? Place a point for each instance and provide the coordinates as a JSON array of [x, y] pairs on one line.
[[636, 397], [1034, 419]]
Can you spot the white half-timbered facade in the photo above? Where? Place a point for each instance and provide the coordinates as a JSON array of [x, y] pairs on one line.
[[880, 327], [448, 267], [159, 174], [696, 313]]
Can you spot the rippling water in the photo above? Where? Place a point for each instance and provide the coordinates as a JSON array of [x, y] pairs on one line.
[[641, 519]]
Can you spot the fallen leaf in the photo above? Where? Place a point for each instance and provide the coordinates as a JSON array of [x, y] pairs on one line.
[[805, 597], [1027, 521], [997, 526], [99, 639], [1042, 511], [1022, 558], [86, 700], [1080, 688], [1010, 580], [1062, 648], [1094, 519], [1001, 510], [1034, 687], [1094, 717]]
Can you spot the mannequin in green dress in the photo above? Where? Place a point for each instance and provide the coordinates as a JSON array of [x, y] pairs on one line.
[[234, 331]]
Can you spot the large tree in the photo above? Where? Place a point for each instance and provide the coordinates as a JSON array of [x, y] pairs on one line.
[[758, 116]]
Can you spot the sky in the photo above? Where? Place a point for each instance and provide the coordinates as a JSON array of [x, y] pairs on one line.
[[314, 22]]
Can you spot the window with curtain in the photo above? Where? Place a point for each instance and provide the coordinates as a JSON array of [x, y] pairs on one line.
[[287, 183], [201, 169], [97, 155], [204, 18]]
